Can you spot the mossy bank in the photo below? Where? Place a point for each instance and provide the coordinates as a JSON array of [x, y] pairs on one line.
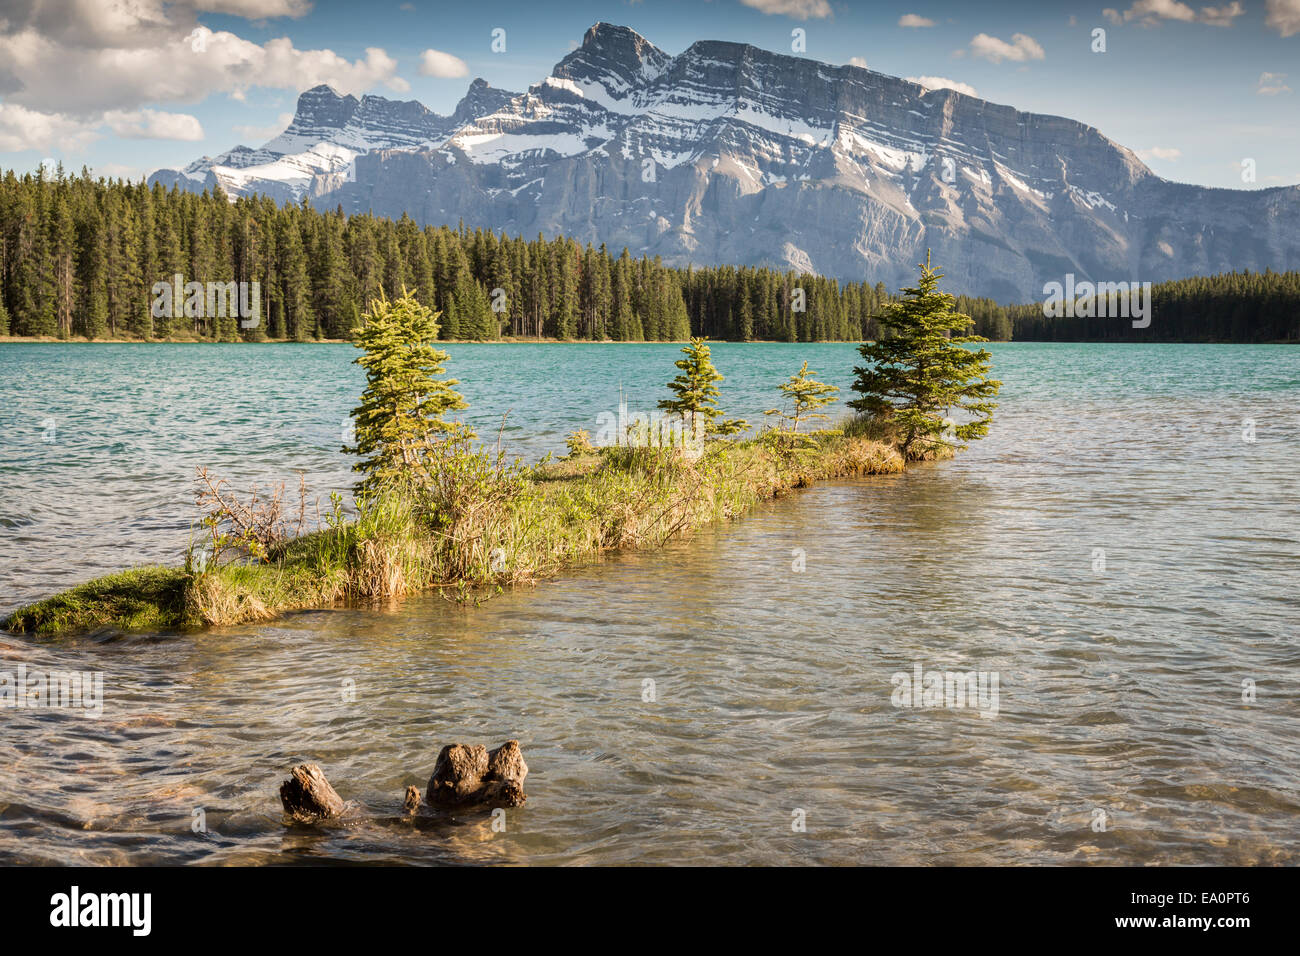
[[498, 527]]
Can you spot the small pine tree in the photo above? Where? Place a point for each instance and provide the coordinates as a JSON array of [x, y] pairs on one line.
[[807, 394], [399, 421], [919, 371], [697, 395]]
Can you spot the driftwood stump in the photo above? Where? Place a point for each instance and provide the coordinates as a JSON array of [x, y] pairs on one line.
[[412, 802], [464, 775], [470, 773], [307, 796]]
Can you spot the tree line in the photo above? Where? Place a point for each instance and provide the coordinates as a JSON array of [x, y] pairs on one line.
[[79, 257], [1228, 307]]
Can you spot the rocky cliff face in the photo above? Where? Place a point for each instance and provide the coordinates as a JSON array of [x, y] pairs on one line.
[[315, 154], [730, 154]]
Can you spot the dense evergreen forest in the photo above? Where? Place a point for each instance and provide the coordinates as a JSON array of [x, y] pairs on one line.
[[1229, 307], [79, 258]]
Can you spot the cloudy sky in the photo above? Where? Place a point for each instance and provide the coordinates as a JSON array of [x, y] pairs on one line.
[[128, 86]]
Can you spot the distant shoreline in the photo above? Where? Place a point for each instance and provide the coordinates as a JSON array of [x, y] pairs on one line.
[[513, 340], [52, 340]]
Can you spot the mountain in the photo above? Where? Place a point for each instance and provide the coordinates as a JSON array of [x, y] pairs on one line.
[[730, 154], [315, 155]]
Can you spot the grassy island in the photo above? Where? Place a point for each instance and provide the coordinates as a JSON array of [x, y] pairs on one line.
[[436, 510], [549, 517]]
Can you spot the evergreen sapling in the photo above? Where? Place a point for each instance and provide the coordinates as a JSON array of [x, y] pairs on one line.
[[919, 371], [399, 422]]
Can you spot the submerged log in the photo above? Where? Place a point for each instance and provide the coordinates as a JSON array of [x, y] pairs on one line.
[[467, 774], [307, 796]]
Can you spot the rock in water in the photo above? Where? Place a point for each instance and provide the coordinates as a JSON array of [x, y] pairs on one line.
[[466, 774], [307, 796]]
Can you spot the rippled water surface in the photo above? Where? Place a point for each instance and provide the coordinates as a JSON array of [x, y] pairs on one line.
[[1120, 671]]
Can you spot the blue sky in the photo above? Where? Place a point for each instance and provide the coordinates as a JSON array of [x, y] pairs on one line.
[[135, 85]]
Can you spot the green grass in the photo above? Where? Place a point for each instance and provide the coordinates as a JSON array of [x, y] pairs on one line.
[[478, 527], [149, 598]]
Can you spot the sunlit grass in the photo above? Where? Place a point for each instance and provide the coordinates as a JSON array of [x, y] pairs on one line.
[[148, 598], [482, 528]]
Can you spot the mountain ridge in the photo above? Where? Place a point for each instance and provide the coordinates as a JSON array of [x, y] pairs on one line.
[[726, 153]]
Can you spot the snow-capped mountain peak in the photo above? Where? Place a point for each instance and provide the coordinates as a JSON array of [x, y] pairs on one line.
[[729, 153]]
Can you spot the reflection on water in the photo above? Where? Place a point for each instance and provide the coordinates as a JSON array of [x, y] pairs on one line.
[[1121, 680]]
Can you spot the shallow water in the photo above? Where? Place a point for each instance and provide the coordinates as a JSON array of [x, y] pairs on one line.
[[1120, 688]]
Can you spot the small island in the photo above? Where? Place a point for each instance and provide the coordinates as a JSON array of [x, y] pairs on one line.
[[437, 510]]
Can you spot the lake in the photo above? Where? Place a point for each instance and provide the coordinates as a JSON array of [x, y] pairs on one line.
[[1123, 553]]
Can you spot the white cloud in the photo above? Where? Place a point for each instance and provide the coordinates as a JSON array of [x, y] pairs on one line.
[[798, 9], [265, 132], [1150, 12], [437, 63], [154, 124], [177, 71], [72, 69], [130, 24], [1021, 48], [1221, 16], [857, 61], [1271, 84], [1160, 152], [118, 171], [943, 83], [1283, 16], [21, 129], [253, 9], [912, 20]]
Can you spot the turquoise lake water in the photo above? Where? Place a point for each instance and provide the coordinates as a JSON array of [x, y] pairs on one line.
[[1123, 552]]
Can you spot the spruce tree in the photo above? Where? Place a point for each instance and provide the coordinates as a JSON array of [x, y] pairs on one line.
[[328, 271], [299, 323], [746, 331], [696, 393], [400, 419], [621, 298], [564, 307], [367, 265], [919, 372], [474, 314], [63, 249], [91, 316], [807, 395]]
